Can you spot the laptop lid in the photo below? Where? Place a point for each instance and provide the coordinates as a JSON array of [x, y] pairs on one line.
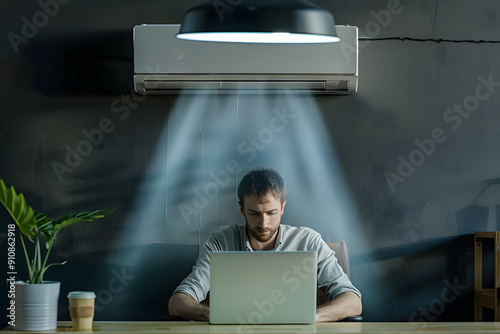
[[263, 287]]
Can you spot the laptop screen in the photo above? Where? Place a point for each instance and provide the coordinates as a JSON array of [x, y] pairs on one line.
[[263, 287]]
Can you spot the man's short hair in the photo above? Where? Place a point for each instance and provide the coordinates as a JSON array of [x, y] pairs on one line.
[[260, 182]]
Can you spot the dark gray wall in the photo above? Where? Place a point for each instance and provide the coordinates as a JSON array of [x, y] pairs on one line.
[[405, 170]]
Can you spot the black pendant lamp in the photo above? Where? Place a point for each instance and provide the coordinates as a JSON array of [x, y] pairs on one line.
[[259, 21]]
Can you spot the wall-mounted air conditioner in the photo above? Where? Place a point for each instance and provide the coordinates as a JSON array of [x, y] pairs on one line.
[[164, 64]]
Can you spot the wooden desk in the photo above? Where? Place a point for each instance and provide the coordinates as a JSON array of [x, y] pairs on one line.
[[339, 327]]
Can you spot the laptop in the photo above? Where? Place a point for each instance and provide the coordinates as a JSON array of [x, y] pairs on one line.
[[265, 287]]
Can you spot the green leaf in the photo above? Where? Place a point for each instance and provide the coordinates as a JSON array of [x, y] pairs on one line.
[[20, 211], [80, 217], [44, 225]]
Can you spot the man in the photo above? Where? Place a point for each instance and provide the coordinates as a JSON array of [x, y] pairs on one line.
[[262, 198]]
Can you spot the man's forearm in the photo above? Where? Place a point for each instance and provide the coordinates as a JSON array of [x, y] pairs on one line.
[[347, 304], [183, 306]]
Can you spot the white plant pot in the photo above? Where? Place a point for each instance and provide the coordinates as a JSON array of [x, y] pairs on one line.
[[36, 306]]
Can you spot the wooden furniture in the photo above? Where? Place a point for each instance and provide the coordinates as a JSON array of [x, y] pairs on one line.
[[486, 297], [332, 327]]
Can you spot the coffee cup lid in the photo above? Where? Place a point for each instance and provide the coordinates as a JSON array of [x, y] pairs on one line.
[[81, 294]]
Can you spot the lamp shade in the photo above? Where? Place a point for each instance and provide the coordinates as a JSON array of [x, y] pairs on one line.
[[259, 21]]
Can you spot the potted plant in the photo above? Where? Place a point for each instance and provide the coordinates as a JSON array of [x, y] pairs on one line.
[[34, 302]]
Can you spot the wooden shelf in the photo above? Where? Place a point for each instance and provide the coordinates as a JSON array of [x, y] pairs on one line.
[[486, 297]]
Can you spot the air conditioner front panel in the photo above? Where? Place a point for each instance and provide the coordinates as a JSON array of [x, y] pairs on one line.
[[164, 64]]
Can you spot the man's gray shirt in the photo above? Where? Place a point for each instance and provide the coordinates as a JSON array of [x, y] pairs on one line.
[[331, 277]]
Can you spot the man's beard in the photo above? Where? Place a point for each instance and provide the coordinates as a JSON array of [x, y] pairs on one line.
[[262, 237]]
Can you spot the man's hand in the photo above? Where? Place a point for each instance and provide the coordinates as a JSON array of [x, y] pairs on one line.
[[347, 304], [184, 306]]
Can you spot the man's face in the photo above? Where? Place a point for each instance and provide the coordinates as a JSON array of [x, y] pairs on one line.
[[262, 216]]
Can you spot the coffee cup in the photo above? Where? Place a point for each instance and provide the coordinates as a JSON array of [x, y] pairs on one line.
[[81, 308]]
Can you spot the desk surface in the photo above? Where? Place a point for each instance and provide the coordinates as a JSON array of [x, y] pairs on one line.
[[335, 327]]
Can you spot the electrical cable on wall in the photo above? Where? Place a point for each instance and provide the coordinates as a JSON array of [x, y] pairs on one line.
[[436, 40]]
